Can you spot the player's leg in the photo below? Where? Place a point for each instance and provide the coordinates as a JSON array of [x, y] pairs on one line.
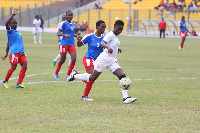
[[89, 67], [163, 33], [59, 65], [116, 69], [63, 52], [34, 38], [160, 33], [22, 72], [40, 33], [72, 52], [55, 60], [14, 62]]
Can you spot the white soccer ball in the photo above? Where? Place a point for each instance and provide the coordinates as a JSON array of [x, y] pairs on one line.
[[125, 83]]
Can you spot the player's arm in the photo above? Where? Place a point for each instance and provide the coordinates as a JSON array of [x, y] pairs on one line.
[[104, 45], [15, 11], [188, 30], [77, 34], [59, 33], [79, 42], [7, 50]]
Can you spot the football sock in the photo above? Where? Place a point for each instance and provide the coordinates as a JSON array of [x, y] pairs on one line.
[[34, 38], [22, 74], [182, 43], [84, 76], [9, 73], [70, 60], [71, 66], [57, 58], [40, 38], [124, 93], [58, 68], [88, 88]]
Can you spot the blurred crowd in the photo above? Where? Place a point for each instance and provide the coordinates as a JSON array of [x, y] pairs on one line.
[[81, 27], [180, 5]]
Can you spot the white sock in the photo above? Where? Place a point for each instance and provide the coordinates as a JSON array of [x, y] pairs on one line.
[[70, 59], [57, 58], [34, 38], [84, 76], [124, 93], [40, 38]]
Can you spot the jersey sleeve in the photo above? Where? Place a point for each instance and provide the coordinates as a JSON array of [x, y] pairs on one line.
[[180, 23], [62, 25], [9, 31], [34, 22], [86, 39], [109, 37]]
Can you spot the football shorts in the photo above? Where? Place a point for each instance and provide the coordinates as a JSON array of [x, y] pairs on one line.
[[183, 34], [17, 58], [64, 49], [103, 61], [88, 63], [38, 31]]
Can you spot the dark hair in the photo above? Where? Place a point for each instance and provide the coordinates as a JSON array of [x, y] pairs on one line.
[[119, 22], [98, 23], [36, 16], [68, 11]]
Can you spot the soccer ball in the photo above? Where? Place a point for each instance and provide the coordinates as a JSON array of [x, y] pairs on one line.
[[125, 83]]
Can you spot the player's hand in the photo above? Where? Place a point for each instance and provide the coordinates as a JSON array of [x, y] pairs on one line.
[[4, 57], [119, 50], [79, 38], [67, 36], [110, 50], [78, 33], [15, 11]]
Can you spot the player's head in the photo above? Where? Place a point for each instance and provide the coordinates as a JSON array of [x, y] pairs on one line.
[[183, 18], [162, 18], [37, 17], [63, 17], [118, 27], [13, 23], [100, 26], [69, 16]]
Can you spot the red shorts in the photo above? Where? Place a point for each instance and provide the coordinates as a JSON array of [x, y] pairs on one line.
[[63, 49], [183, 34], [17, 58], [88, 63]]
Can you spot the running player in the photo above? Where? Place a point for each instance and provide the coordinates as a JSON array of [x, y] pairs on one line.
[[67, 44], [59, 39], [107, 59], [15, 48], [37, 29], [94, 49], [183, 31]]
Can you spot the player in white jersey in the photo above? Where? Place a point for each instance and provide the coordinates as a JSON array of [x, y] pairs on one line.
[[107, 59], [37, 29], [59, 39]]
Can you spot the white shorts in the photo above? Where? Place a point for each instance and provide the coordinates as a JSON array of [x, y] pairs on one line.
[[104, 61], [38, 31]]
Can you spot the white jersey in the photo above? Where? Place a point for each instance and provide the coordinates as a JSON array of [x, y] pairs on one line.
[[37, 23], [59, 27], [113, 42]]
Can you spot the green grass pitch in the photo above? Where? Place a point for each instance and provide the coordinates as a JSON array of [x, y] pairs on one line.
[[165, 80]]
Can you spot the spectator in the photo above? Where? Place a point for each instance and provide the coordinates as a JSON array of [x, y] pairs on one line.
[[86, 25], [162, 27], [96, 6], [179, 4], [162, 3], [167, 5], [192, 7]]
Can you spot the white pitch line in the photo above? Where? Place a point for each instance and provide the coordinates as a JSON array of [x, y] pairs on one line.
[[189, 69], [153, 79]]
